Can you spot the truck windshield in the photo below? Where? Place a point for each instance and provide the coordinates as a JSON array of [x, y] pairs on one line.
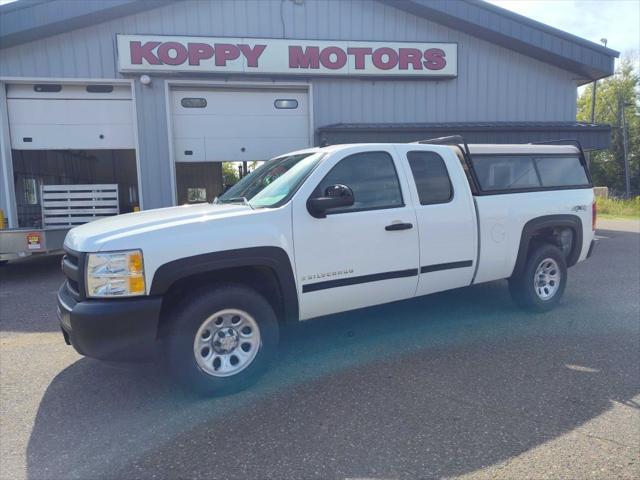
[[273, 182]]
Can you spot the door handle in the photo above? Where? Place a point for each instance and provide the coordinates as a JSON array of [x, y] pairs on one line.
[[398, 226]]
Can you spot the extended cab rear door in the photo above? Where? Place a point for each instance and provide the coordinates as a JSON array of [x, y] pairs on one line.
[[362, 255], [447, 224]]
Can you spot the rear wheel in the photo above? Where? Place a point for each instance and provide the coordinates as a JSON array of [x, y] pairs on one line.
[[221, 340], [540, 285]]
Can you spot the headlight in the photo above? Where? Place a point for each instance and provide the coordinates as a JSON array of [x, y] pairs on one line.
[[115, 274]]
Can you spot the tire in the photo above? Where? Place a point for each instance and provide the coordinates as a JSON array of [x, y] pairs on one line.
[[540, 285], [219, 316]]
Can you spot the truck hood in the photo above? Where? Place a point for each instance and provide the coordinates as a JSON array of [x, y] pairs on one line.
[[93, 236]]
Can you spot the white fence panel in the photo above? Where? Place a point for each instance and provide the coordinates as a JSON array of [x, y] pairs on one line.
[[72, 205]]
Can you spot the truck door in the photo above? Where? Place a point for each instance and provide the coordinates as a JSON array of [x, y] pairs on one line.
[[361, 255], [446, 217]]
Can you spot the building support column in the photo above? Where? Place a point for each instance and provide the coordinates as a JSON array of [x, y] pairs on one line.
[[156, 168], [7, 188]]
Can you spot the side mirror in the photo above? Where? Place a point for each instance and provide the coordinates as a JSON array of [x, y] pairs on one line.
[[334, 196]]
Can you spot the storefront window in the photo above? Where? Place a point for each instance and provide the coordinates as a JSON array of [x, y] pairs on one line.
[[196, 195], [30, 189], [99, 88], [286, 103], [193, 102]]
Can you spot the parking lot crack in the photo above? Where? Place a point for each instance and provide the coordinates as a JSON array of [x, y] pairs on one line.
[[609, 440]]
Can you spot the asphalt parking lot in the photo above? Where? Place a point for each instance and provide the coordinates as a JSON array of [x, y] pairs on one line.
[[455, 385]]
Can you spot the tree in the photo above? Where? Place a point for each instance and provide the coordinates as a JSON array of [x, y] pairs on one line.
[[607, 166], [229, 173]]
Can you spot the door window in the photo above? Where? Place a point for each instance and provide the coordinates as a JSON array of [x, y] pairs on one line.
[[431, 177], [373, 178]]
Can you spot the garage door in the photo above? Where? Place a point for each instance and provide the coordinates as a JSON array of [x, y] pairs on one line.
[[238, 124], [59, 117]]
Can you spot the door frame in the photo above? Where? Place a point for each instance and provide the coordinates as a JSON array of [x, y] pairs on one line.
[[219, 84], [407, 208], [5, 152], [460, 194]]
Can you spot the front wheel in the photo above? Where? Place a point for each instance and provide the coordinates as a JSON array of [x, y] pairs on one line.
[[221, 340], [541, 283]]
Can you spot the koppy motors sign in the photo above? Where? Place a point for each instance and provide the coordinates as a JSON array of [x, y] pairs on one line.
[[145, 53]]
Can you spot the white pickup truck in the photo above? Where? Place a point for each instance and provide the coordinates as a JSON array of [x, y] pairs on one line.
[[321, 231]]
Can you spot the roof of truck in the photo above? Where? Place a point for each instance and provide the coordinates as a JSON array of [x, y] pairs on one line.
[[503, 149], [478, 149]]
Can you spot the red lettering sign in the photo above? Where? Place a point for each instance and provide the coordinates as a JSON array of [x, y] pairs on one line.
[[252, 54], [224, 52], [410, 56], [434, 59], [199, 51], [360, 55], [202, 54], [309, 58], [333, 58], [139, 52], [385, 58], [172, 53]]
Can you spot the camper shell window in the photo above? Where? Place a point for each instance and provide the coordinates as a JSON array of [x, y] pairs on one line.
[[506, 173]]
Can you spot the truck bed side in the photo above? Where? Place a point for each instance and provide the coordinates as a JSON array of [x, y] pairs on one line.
[[503, 217]]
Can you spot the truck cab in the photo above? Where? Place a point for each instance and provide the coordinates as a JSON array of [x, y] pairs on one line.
[[317, 232]]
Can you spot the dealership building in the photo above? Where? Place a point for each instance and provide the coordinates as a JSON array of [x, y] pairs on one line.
[[152, 96]]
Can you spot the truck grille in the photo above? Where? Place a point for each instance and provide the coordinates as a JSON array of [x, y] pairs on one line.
[[73, 269]]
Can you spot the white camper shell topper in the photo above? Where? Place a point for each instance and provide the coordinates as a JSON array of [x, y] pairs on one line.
[[320, 231]]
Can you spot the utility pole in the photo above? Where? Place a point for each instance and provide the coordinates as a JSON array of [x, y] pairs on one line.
[[625, 146], [593, 101]]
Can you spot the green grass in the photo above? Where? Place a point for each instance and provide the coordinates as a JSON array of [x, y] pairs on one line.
[[614, 208]]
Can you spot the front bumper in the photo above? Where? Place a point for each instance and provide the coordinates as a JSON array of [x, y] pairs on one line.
[[113, 329]]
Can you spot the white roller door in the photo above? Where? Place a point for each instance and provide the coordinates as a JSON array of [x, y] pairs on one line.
[[237, 124], [78, 117]]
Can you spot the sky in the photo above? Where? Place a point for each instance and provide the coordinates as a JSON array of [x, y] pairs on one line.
[[616, 20]]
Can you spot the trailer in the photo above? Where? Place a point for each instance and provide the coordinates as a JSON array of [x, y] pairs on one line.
[[62, 208]]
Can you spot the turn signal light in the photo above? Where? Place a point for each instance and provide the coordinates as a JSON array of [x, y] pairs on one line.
[[594, 215], [135, 263], [136, 285]]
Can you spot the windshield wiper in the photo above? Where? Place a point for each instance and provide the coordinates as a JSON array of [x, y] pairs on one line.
[[241, 200]]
